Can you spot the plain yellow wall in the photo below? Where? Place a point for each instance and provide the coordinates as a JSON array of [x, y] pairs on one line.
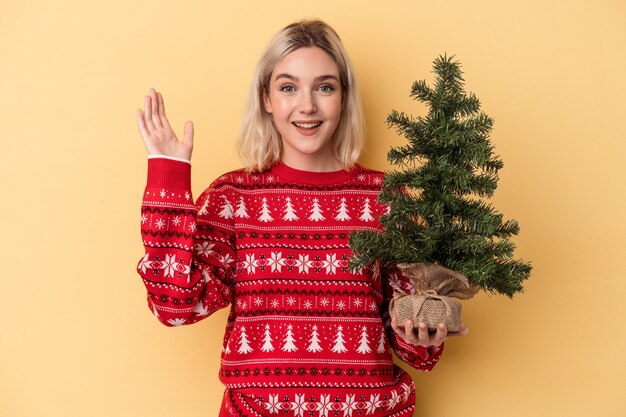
[[77, 338]]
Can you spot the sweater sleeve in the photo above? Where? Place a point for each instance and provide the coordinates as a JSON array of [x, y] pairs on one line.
[[419, 357], [187, 266]]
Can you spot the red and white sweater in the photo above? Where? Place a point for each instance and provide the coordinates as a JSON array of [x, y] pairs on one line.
[[305, 335]]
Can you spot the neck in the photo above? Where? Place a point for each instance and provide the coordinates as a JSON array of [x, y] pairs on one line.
[[329, 164]]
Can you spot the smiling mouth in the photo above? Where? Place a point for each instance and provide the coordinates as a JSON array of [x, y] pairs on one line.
[[312, 125]]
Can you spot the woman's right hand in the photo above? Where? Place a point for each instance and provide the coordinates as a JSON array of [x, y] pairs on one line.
[[158, 136]]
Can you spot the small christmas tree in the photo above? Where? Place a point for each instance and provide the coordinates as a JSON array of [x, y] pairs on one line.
[[290, 213], [316, 211], [241, 209], [265, 212], [364, 347], [339, 342], [342, 213], [289, 346], [436, 211], [314, 345], [267, 345], [227, 209], [244, 346]]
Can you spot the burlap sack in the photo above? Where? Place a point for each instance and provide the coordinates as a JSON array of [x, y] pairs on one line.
[[432, 301], [429, 309]]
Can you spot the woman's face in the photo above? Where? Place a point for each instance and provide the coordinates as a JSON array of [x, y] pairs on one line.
[[305, 100]]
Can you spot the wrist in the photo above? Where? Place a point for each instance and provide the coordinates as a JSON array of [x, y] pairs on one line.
[[173, 158], [168, 173]]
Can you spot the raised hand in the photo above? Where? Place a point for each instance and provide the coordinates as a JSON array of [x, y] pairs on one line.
[[158, 136]]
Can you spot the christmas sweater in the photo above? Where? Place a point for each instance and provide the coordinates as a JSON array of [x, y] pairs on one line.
[[305, 334]]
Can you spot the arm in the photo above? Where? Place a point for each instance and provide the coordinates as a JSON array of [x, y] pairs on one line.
[[186, 266]]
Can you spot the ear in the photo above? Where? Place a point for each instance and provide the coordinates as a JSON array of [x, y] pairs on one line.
[[267, 104]]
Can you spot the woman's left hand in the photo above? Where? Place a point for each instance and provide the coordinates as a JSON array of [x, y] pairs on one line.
[[422, 337]]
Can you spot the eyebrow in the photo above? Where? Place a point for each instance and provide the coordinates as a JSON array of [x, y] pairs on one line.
[[317, 79]]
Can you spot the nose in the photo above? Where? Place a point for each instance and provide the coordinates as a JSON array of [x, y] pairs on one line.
[[307, 103]]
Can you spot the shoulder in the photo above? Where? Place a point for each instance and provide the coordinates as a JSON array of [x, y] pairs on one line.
[[239, 179], [368, 177], [222, 193], [230, 178]]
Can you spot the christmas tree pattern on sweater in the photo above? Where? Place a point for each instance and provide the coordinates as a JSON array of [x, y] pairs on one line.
[[274, 246]]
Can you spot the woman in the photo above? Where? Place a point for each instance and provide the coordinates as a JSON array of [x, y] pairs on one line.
[[305, 335]]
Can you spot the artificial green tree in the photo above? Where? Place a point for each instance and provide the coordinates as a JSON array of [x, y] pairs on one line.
[[438, 213]]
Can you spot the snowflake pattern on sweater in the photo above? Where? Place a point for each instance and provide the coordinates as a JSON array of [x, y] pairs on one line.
[[274, 246]]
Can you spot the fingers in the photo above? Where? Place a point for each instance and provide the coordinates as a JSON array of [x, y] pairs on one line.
[[158, 136], [156, 117], [407, 332], [188, 133], [147, 113], [141, 124], [397, 329], [421, 336], [154, 113], [440, 335], [408, 327], [162, 116]]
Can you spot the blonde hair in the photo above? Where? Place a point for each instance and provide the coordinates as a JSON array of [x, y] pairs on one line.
[[259, 143]]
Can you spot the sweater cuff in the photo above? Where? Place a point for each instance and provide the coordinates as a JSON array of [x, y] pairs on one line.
[[173, 158], [168, 173], [421, 352]]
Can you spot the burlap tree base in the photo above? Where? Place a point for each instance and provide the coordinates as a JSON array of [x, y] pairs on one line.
[[432, 301], [429, 309]]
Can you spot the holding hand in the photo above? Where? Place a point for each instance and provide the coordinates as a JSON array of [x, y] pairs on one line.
[[423, 338], [158, 136]]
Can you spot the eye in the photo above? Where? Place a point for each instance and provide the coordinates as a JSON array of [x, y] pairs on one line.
[[287, 88], [326, 88]]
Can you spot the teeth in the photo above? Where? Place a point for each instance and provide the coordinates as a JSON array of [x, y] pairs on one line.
[[308, 125]]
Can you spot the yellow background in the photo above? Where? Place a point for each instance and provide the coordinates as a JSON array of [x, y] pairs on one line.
[[77, 338]]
